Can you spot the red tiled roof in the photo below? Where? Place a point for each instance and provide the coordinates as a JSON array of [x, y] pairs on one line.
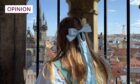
[[116, 72], [137, 43], [134, 62], [122, 51], [117, 67]]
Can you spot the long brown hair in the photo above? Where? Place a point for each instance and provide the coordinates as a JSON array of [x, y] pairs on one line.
[[69, 54]]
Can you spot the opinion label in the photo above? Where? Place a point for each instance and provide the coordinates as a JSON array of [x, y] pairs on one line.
[[18, 8]]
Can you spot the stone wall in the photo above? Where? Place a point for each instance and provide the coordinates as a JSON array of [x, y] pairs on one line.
[[12, 44]]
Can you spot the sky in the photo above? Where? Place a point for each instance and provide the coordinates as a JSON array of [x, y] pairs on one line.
[[116, 15]]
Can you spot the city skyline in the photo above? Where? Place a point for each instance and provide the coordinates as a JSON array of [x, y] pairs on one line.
[[116, 15]]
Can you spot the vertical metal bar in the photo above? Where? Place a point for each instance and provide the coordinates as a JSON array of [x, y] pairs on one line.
[[116, 80], [0, 41], [58, 13], [105, 28], [14, 45], [37, 43], [128, 40]]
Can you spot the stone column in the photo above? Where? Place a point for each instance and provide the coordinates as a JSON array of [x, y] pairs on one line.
[[86, 9], [12, 44], [95, 25]]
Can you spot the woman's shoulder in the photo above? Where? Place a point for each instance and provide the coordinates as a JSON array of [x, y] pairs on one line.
[[46, 75]]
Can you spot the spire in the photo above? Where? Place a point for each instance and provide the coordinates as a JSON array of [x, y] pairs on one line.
[[43, 17], [34, 23], [40, 14], [28, 28], [42, 21], [46, 23], [28, 34]]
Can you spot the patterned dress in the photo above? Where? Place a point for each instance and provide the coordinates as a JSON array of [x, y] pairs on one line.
[[58, 78]]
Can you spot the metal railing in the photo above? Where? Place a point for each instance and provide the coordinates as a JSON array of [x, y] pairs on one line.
[[128, 40], [128, 35], [37, 43], [105, 33]]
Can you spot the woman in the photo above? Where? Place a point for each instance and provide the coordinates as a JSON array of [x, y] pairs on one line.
[[75, 62]]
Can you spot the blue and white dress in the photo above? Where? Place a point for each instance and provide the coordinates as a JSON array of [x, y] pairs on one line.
[[58, 79]]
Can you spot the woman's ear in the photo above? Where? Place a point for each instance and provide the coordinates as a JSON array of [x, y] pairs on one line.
[[84, 21]]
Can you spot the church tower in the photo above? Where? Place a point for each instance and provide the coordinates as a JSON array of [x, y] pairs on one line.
[[30, 47], [42, 35]]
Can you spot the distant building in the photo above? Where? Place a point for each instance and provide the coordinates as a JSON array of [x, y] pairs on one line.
[[30, 49], [42, 35], [119, 69], [100, 38], [30, 74], [30, 66], [31, 41], [30, 78]]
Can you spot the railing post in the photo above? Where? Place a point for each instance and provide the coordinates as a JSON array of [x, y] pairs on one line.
[[128, 40], [58, 12], [105, 28], [37, 43]]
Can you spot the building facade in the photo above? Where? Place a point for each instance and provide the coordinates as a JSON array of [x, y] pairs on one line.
[[31, 41]]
